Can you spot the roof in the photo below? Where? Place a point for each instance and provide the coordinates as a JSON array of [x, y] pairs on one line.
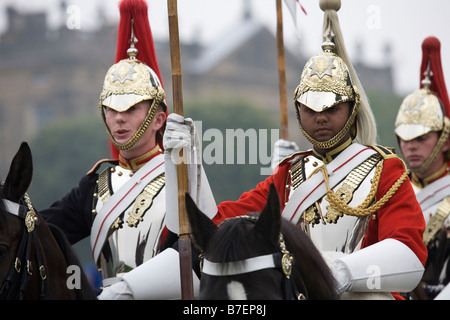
[[224, 46]]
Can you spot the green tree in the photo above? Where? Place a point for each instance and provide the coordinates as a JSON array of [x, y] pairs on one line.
[[385, 107], [66, 149], [63, 152]]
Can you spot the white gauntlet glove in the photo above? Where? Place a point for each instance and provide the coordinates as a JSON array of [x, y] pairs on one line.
[[387, 266], [181, 133], [157, 278], [282, 149]]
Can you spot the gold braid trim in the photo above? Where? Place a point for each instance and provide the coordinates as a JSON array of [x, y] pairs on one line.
[[364, 208]]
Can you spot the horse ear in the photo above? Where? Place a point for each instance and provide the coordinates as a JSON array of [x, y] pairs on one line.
[[269, 222], [202, 227], [20, 174]]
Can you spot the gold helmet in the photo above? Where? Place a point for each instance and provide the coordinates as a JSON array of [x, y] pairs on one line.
[[130, 81], [325, 82], [328, 79], [426, 109]]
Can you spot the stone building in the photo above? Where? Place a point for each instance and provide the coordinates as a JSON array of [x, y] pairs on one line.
[[49, 75]]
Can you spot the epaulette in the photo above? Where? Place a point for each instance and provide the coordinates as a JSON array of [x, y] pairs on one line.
[[294, 156], [385, 152], [99, 163]]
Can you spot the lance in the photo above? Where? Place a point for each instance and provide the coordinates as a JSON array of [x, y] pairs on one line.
[[282, 74], [184, 241]]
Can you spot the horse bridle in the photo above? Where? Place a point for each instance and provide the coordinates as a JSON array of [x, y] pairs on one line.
[[22, 268], [283, 260]]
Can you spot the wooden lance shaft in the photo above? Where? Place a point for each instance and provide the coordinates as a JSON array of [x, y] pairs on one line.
[[184, 242], [282, 74]]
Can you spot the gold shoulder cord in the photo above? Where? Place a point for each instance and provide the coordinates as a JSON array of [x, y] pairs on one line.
[[351, 183], [364, 208], [437, 221], [339, 201]]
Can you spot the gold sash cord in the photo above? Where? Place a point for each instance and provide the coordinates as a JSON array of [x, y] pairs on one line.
[[364, 208]]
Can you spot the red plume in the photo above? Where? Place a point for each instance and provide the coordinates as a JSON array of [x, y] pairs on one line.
[[138, 11], [431, 51]]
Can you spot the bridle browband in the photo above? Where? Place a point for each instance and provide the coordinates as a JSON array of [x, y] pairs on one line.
[[282, 260], [22, 268]]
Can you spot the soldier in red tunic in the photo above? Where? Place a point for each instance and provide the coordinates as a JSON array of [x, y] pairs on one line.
[[352, 197]]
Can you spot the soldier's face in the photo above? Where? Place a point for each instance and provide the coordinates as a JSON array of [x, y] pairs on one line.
[[323, 126], [123, 125], [417, 150]]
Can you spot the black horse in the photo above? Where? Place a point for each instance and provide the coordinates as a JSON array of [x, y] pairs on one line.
[[258, 257], [34, 256]]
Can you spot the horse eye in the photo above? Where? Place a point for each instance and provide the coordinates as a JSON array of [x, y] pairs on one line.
[[3, 250]]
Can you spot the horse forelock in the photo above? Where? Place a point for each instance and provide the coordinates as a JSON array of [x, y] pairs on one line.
[[236, 240]]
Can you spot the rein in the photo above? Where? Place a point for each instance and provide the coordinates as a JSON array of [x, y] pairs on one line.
[[22, 269], [282, 260]]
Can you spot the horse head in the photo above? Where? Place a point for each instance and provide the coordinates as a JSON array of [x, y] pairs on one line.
[[31, 260], [251, 256]]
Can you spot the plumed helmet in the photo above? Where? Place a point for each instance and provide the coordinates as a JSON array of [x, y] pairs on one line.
[[426, 109], [420, 112], [135, 76], [325, 81], [328, 79]]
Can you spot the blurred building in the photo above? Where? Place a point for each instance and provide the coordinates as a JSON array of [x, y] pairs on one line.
[[46, 75]]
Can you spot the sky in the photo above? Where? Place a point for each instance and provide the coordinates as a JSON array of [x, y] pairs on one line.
[[403, 24]]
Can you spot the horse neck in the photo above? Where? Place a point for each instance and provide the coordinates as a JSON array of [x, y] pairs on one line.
[[55, 264], [309, 267]]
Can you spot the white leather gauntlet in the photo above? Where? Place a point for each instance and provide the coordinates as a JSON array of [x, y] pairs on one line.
[[181, 133], [387, 266], [157, 278], [282, 149]]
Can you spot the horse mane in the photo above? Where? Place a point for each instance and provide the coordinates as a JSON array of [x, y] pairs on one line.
[[86, 292], [231, 244], [300, 245], [2, 211]]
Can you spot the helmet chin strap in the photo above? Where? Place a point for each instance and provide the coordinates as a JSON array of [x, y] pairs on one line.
[[350, 125], [139, 133]]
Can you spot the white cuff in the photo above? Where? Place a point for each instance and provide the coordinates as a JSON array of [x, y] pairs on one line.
[[118, 291], [387, 266]]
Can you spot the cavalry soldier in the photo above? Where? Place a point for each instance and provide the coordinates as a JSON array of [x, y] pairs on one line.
[[422, 128], [353, 198], [120, 203]]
